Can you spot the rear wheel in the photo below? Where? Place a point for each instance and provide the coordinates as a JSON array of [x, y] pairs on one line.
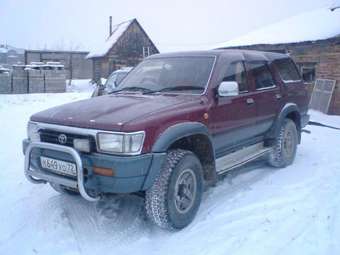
[[64, 190], [173, 200], [285, 146]]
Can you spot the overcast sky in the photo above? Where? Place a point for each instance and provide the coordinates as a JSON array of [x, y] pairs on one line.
[[171, 24]]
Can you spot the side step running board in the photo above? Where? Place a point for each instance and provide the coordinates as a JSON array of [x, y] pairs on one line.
[[240, 157]]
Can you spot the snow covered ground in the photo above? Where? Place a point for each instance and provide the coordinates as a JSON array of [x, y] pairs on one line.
[[255, 210], [80, 85]]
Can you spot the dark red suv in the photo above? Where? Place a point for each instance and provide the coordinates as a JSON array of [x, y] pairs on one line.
[[174, 125]]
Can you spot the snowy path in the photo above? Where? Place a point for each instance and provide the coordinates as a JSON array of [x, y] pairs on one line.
[[257, 209]]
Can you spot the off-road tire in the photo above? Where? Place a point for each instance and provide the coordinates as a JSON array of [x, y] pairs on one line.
[[285, 145], [63, 190], [161, 202]]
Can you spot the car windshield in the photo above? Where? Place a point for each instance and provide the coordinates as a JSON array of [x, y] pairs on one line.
[[179, 74]]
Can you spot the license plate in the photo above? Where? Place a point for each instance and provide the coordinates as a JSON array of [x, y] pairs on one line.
[[59, 166]]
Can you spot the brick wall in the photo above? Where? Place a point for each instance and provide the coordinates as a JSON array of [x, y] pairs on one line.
[[324, 53]]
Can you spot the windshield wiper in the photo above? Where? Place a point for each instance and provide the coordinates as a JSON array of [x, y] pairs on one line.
[[177, 88], [132, 88]]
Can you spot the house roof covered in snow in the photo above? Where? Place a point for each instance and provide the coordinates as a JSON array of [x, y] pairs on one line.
[[314, 25], [117, 31], [3, 50]]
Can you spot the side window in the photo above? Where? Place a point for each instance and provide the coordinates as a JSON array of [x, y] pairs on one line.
[[236, 72], [261, 74], [287, 70]]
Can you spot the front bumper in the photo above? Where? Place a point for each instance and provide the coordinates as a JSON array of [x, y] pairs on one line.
[[130, 173]]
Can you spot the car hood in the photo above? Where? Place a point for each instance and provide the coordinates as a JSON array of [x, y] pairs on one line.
[[111, 112]]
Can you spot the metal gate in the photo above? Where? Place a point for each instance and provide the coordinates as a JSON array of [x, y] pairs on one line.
[[322, 95]]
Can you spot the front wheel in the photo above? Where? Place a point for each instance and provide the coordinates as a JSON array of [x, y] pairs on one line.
[[173, 200], [285, 145]]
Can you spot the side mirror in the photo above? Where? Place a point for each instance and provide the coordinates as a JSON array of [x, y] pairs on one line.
[[228, 88]]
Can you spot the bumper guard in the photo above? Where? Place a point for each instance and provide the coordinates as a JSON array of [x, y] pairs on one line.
[[36, 176]]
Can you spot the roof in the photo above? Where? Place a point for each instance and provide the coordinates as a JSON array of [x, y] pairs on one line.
[[7, 48], [117, 31], [226, 53], [314, 25]]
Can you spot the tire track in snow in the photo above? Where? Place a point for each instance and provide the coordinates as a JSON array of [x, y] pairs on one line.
[[115, 221]]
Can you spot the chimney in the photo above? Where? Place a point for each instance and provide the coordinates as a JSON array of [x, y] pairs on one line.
[[110, 23]]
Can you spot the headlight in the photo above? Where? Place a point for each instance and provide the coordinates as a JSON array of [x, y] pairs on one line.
[[33, 132], [129, 143]]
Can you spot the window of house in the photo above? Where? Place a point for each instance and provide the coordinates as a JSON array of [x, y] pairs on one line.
[[146, 52], [236, 72], [287, 70], [308, 73], [261, 74]]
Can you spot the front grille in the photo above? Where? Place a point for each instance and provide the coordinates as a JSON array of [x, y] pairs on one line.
[[51, 136]]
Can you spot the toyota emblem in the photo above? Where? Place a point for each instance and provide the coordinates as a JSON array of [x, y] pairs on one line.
[[62, 139]]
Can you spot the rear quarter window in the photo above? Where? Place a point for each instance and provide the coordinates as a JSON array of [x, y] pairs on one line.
[[287, 70]]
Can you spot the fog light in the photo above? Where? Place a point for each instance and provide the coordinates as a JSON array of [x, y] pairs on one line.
[[81, 145], [103, 171]]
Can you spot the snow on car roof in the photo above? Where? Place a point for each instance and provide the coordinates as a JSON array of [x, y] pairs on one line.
[[314, 25], [117, 32]]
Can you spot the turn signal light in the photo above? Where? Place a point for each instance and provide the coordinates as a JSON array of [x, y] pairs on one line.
[[103, 171]]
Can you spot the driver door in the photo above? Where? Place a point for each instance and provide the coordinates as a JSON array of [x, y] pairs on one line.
[[234, 117]]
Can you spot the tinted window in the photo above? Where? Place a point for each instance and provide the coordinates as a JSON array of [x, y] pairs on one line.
[[236, 72], [287, 70], [261, 74]]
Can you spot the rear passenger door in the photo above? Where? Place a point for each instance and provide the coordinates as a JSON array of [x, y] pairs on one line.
[[267, 95], [293, 89]]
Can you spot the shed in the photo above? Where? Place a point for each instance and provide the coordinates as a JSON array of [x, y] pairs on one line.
[[126, 45], [75, 62]]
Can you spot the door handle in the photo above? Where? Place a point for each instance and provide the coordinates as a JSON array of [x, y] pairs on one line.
[[278, 96], [250, 101]]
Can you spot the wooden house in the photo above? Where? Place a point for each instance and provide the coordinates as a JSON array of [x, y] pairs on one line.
[[126, 45]]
